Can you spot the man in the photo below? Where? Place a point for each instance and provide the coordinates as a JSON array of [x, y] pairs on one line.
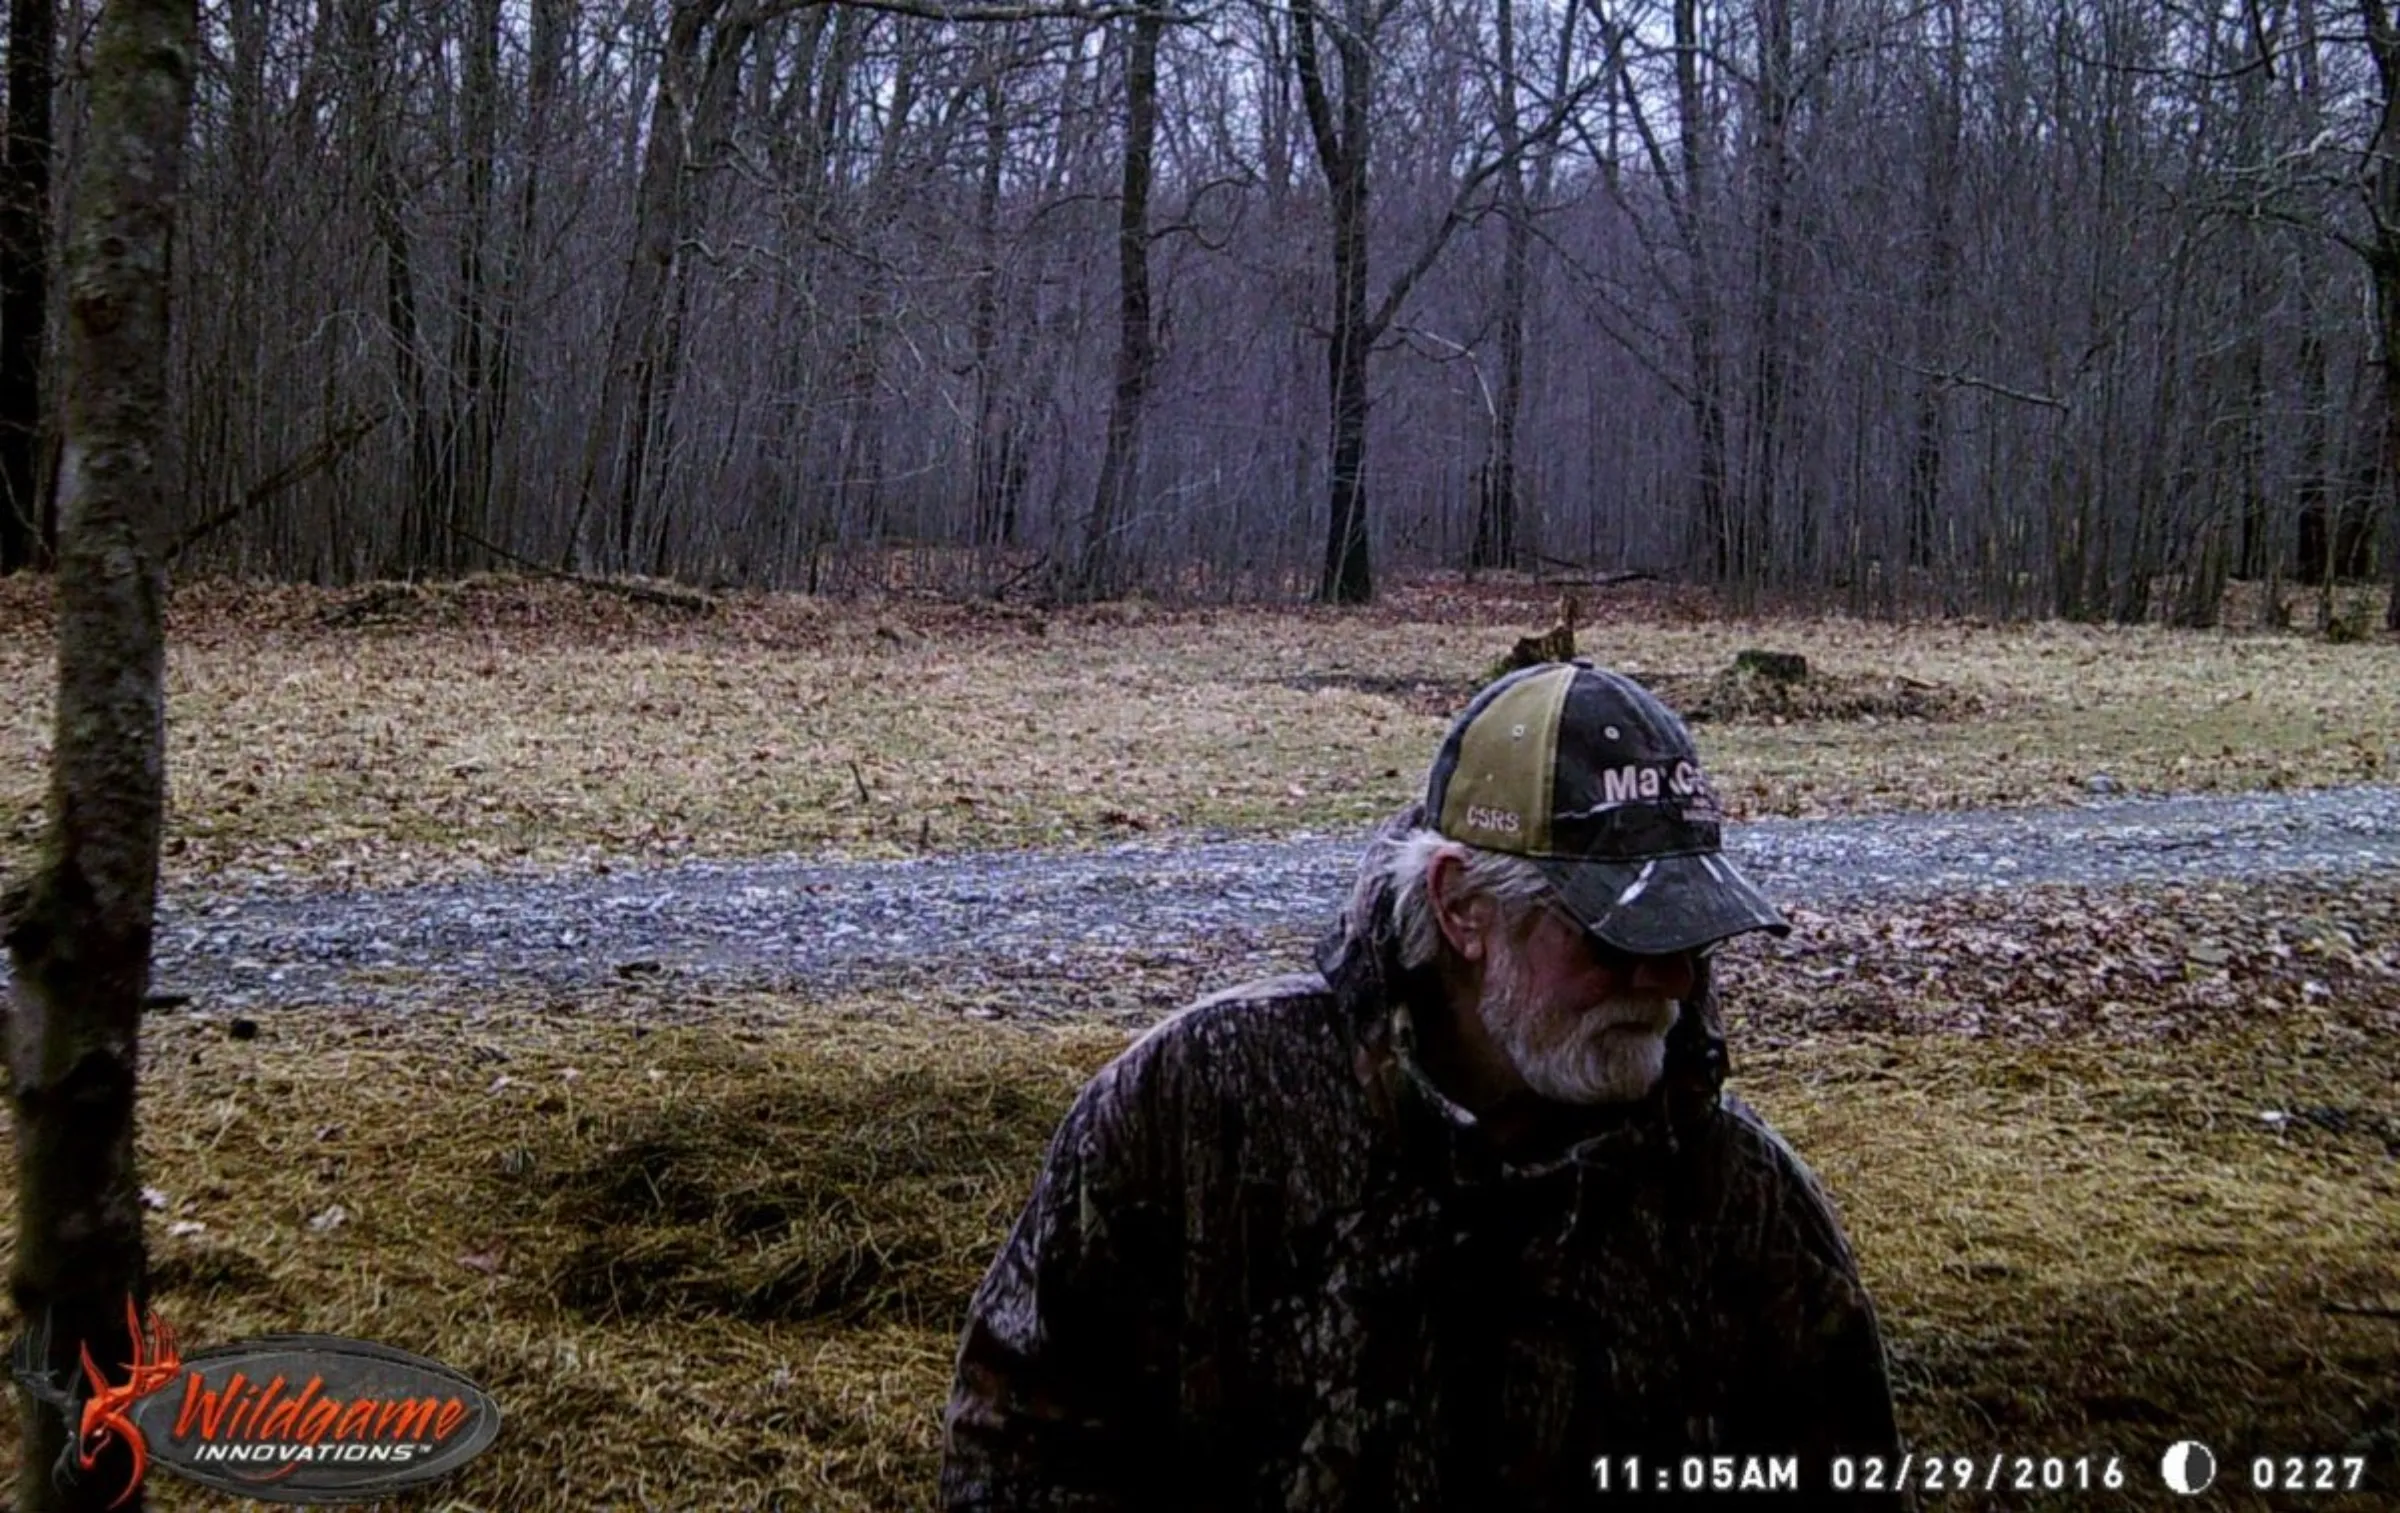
[[1459, 1218]]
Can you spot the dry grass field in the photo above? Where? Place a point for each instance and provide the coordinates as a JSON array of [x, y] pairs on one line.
[[2122, 1168], [382, 737]]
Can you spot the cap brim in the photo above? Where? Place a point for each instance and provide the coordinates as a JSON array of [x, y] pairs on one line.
[[1664, 905]]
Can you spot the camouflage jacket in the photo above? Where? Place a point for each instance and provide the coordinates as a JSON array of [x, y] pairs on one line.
[[1269, 1266]]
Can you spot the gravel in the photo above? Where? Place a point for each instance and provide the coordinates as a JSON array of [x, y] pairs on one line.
[[788, 922]]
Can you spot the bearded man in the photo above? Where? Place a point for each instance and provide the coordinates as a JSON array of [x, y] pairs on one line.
[[1463, 1220]]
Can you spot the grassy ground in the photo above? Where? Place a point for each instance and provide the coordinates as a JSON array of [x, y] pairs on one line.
[[2121, 1168], [490, 725]]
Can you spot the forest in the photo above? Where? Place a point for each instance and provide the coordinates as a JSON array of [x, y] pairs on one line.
[[2070, 308]]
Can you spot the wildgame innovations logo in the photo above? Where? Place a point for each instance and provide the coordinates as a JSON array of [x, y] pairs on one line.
[[297, 1418]]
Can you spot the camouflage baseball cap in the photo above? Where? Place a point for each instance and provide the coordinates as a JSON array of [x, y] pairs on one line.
[[1586, 774]]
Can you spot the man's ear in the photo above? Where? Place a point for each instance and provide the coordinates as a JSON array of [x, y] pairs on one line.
[[1466, 920]]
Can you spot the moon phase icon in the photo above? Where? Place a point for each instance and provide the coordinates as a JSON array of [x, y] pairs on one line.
[[2188, 1467]]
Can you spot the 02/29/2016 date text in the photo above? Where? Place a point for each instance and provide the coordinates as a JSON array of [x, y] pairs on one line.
[[1989, 1472]]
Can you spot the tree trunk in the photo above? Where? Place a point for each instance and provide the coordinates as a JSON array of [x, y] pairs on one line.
[[2391, 605], [797, 527], [1924, 532], [1495, 539], [1695, 138], [629, 416], [999, 468], [1770, 341], [1347, 578], [2357, 552], [2146, 558], [2384, 40], [548, 44], [644, 344], [1096, 576], [2067, 498], [1342, 152], [25, 284], [2262, 539], [469, 429], [420, 541], [79, 930]]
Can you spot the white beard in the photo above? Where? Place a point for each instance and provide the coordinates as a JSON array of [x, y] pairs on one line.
[[1614, 1051]]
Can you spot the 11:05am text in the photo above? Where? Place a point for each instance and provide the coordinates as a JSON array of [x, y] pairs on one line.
[[1696, 1473]]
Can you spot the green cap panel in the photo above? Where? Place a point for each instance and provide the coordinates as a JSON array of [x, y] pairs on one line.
[[1498, 795]]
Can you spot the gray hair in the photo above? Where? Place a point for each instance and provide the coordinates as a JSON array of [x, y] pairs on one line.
[[1396, 868]]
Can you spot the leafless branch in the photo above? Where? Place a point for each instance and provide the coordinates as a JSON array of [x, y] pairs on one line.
[[1960, 379], [328, 449], [975, 12], [1462, 200], [641, 593]]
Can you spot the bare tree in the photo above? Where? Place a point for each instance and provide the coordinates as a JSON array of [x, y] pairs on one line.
[[1685, 182], [1340, 112], [2382, 182], [371, 47], [999, 445], [544, 67], [704, 44], [1775, 89], [25, 516], [1496, 495], [1096, 573], [79, 929], [1927, 546], [476, 390], [1341, 106]]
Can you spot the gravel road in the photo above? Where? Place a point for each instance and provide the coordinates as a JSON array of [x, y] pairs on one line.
[[762, 923]]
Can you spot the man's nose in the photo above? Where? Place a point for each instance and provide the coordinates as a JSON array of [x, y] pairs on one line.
[[1667, 976]]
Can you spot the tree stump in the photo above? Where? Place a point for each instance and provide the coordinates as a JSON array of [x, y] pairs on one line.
[[1557, 644], [1772, 666]]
